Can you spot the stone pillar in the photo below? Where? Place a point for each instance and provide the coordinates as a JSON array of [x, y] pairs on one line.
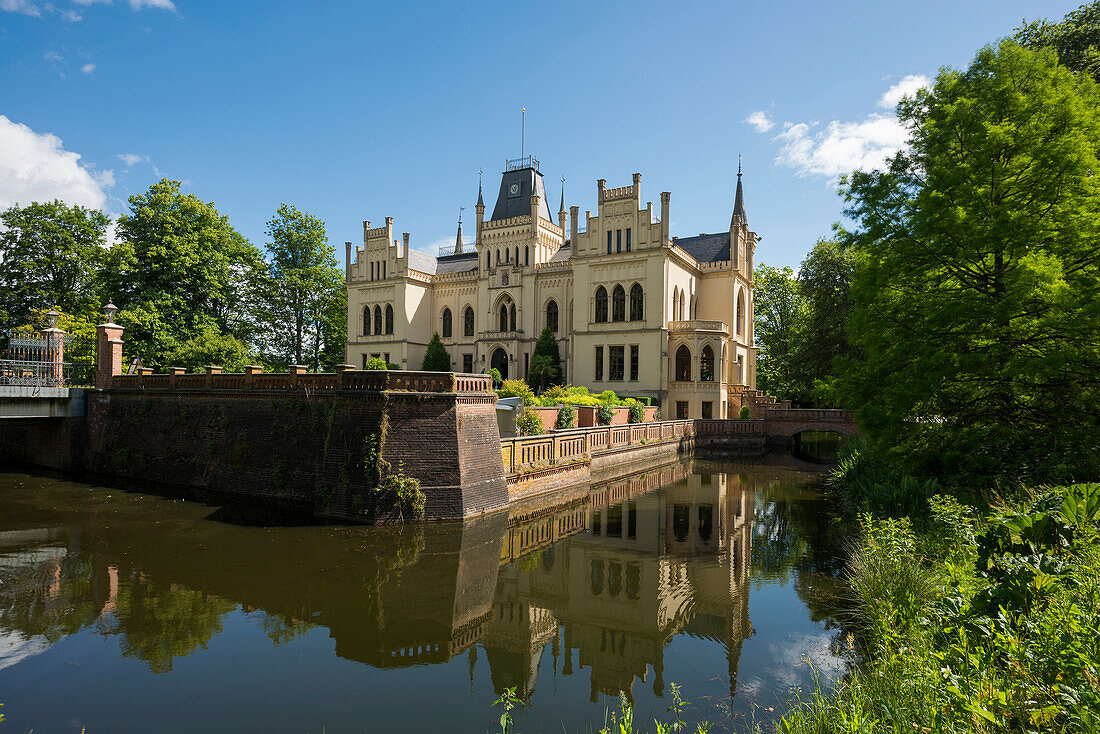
[[212, 370], [175, 372], [665, 196], [294, 370], [250, 372], [108, 349], [55, 351]]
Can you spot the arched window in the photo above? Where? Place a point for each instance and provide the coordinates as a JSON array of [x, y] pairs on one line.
[[468, 322], [366, 320], [675, 304], [741, 311], [512, 317], [389, 319], [504, 317], [706, 364], [618, 304], [601, 305], [446, 323], [683, 297], [488, 260], [377, 319], [637, 303], [498, 258], [683, 364], [526, 255], [552, 316], [517, 254]]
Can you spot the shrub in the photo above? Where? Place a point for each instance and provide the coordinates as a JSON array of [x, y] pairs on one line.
[[744, 413], [405, 492], [605, 414], [637, 414], [555, 393], [657, 414], [376, 363], [517, 389], [528, 423], [580, 400], [567, 417], [608, 397]]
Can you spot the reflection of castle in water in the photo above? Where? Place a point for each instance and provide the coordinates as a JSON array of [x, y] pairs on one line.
[[642, 568], [637, 568]]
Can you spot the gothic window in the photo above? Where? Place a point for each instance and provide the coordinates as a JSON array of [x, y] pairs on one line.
[[504, 317], [741, 312], [468, 322], [552, 316], [706, 364], [512, 318], [618, 240], [517, 255], [609, 242], [599, 364], [637, 302], [389, 319], [628, 240], [634, 362], [601, 305], [377, 319], [366, 320], [618, 304], [675, 303], [446, 323], [683, 364], [498, 258], [526, 255]]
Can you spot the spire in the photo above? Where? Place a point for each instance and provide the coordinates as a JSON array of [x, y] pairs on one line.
[[480, 201], [739, 199], [458, 237], [561, 209]]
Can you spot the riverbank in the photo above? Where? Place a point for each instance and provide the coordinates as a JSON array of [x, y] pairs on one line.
[[967, 620]]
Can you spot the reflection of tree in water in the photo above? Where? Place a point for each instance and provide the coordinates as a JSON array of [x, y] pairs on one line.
[[282, 629], [159, 622], [800, 545]]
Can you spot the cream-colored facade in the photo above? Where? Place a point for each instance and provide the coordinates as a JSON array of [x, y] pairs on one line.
[[635, 310]]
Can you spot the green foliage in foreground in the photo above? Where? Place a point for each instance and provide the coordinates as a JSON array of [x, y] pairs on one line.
[[528, 423], [436, 358], [615, 722], [972, 626]]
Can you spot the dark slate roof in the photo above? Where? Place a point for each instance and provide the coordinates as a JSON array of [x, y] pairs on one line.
[[529, 180], [706, 248], [562, 253], [457, 263], [422, 261]]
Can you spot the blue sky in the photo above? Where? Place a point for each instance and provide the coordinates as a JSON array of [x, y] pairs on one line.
[[356, 111]]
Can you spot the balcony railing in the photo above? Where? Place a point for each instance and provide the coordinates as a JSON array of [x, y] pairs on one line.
[[516, 164], [698, 325], [24, 373]]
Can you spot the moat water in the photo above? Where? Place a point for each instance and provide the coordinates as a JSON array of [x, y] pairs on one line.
[[126, 612]]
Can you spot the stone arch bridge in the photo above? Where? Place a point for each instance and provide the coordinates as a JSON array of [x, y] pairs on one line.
[[783, 424]]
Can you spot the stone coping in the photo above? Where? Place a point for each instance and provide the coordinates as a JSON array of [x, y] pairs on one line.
[[296, 379]]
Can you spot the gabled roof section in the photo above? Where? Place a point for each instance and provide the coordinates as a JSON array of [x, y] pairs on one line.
[[528, 181], [456, 263], [706, 248], [421, 261]]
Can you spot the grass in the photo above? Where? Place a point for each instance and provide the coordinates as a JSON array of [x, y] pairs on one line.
[[971, 624]]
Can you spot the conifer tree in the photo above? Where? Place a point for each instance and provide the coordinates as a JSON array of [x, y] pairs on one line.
[[436, 358], [545, 362]]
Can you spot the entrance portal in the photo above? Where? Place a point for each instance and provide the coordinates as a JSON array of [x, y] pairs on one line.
[[499, 362]]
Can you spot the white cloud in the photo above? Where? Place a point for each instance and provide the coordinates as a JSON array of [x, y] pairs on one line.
[[56, 61], [760, 121], [88, 68], [130, 158], [841, 147], [907, 87], [35, 167], [71, 16], [25, 7], [162, 4]]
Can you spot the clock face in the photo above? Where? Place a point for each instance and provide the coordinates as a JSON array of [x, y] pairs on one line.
[[513, 189]]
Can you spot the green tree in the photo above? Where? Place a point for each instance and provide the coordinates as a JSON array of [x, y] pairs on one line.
[[779, 318], [436, 358], [545, 367], [49, 256], [1076, 39], [179, 270], [976, 296], [824, 281], [307, 298]]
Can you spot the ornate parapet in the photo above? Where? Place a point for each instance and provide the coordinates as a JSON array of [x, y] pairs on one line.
[[297, 380]]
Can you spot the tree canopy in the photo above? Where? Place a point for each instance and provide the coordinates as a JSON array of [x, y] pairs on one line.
[[1076, 38], [975, 294], [545, 367]]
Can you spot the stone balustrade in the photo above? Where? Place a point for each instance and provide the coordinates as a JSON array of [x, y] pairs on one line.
[[698, 325], [532, 453], [297, 379]]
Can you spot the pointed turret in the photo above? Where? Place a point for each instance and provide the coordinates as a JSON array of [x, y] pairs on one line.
[[480, 209], [739, 199], [458, 237], [480, 200]]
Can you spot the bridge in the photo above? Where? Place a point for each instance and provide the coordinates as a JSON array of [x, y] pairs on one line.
[[784, 423]]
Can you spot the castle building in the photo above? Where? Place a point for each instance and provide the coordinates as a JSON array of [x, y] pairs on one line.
[[635, 310]]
